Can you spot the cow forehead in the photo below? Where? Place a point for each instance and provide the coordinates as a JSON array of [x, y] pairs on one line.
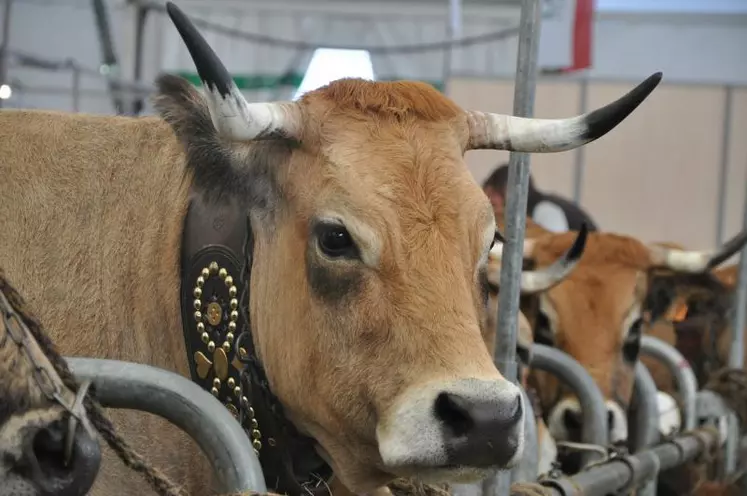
[[403, 178], [594, 300]]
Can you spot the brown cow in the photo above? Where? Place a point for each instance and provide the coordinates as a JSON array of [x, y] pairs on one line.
[[370, 239], [597, 314], [33, 425]]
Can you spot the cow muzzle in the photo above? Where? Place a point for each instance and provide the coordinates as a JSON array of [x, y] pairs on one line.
[[458, 431]]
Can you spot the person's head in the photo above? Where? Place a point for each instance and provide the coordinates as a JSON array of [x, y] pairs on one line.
[[495, 187]]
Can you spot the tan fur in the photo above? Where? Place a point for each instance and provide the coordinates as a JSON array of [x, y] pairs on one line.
[[91, 215]]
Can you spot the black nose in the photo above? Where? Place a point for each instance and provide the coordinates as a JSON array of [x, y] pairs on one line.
[[572, 421], [479, 432], [44, 454]]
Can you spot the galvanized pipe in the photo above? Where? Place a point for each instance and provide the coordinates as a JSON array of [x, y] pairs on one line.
[[516, 207], [595, 429], [736, 356], [647, 412], [684, 377], [647, 425], [622, 474], [528, 467], [185, 404]]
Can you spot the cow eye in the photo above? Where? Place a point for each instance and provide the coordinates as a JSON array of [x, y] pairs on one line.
[[632, 344], [335, 241]]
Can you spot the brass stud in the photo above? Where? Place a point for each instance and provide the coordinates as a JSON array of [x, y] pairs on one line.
[[198, 315], [231, 382], [222, 273], [213, 267], [229, 338], [234, 315], [200, 327], [234, 304], [214, 392], [229, 281], [256, 452], [226, 346], [211, 346], [234, 411], [255, 424], [232, 327], [233, 291], [271, 441], [197, 304], [236, 391], [216, 383], [244, 402], [197, 293], [257, 444], [200, 281], [250, 411], [205, 337], [242, 353], [205, 273], [256, 434]]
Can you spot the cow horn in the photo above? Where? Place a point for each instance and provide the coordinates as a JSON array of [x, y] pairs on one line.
[[695, 261], [521, 134], [535, 281], [233, 117]]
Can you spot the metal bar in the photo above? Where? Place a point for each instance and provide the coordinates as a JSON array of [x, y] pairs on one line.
[[516, 205], [683, 375], [594, 430], [724, 169], [4, 45], [580, 162], [453, 32], [149, 389], [528, 467], [108, 54], [624, 473], [647, 412], [647, 425], [736, 356], [76, 87]]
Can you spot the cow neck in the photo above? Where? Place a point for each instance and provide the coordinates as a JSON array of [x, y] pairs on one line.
[[217, 255]]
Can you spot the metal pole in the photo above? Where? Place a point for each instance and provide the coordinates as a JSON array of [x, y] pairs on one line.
[[683, 375], [4, 45], [516, 205], [134, 386], [647, 425], [453, 31], [724, 169], [736, 357], [578, 173]]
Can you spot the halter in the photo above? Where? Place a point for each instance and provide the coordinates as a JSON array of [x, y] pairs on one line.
[[215, 295]]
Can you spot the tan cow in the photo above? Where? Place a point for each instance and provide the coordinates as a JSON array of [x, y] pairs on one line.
[[370, 241], [597, 314], [33, 425]]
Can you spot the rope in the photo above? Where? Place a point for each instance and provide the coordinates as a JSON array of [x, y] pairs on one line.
[[155, 478]]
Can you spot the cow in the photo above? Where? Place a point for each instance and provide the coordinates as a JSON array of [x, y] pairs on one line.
[[532, 282], [35, 457], [360, 264], [597, 315]]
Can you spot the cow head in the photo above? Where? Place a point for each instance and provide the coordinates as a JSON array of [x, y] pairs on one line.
[[33, 426], [371, 241], [597, 315]]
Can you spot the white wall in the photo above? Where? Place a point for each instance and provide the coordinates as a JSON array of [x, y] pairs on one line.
[[688, 48]]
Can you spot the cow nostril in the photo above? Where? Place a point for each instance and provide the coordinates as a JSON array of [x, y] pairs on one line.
[[453, 410], [572, 419], [48, 450]]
